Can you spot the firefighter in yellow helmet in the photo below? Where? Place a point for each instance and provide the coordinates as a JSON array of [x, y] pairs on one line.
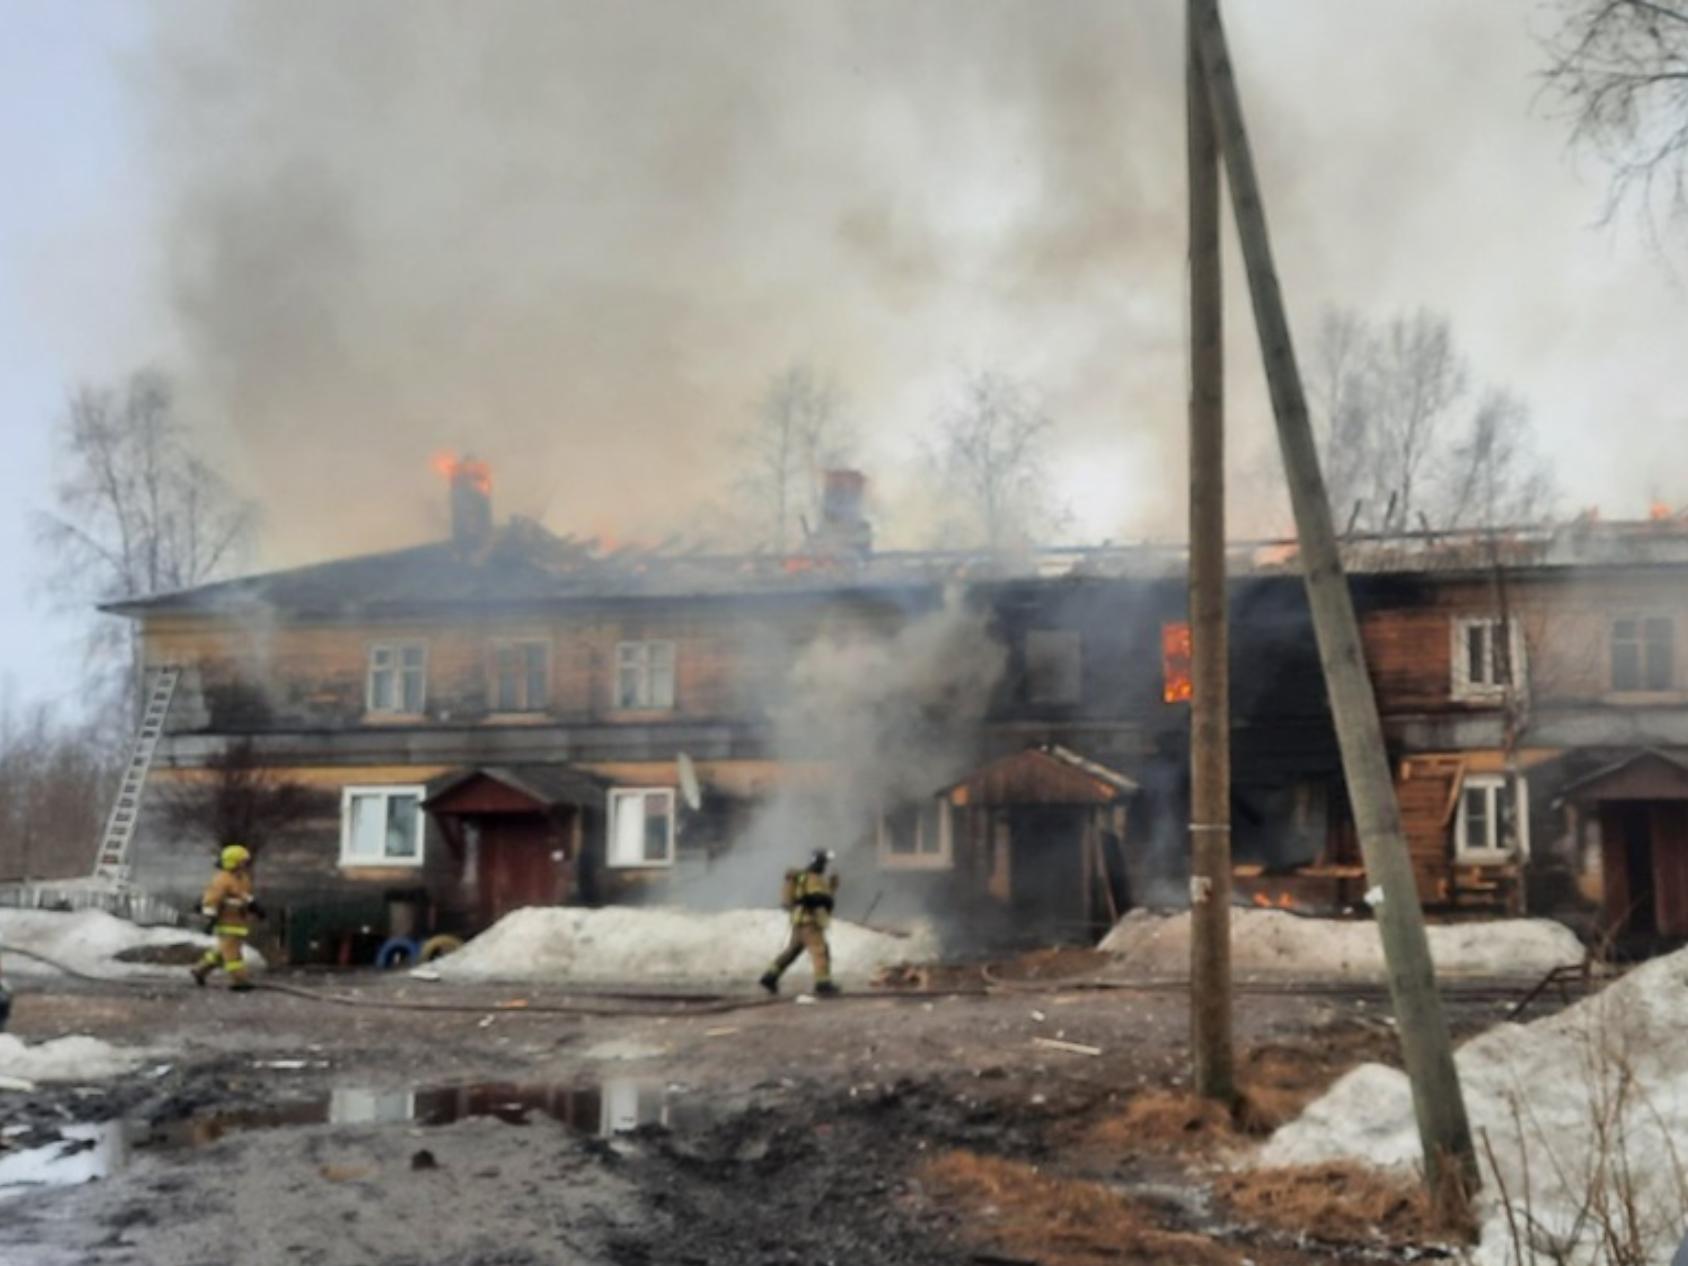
[[809, 894], [229, 908]]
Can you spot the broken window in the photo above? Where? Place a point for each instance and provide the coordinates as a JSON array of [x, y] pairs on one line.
[[381, 826], [1054, 666], [915, 836], [521, 676], [641, 827], [1485, 660], [1176, 686], [644, 676], [397, 678], [1491, 820], [1643, 653]]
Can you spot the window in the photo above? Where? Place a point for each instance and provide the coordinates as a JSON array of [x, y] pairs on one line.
[[381, 826], [1054, 666], [644, 675], [1485, 662], [641, 827], [1489, 810], [1643, 653], [398, 678], [521, 676], [916, 836]]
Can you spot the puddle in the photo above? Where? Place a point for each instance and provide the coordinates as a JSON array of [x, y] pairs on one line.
[[605, 1108]]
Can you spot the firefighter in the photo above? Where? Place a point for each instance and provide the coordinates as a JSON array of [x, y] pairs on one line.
[[229, 908], [809, 894]]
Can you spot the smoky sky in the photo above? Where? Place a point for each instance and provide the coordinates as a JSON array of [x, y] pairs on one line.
[[578, 238]]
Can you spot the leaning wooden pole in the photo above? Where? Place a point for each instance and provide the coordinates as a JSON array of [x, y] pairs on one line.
[[1450, 1161], [1210, 726]]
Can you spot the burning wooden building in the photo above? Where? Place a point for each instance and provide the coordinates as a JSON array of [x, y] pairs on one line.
[[508, 717]]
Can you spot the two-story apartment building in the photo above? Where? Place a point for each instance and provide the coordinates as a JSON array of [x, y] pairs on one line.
[[508, 718]]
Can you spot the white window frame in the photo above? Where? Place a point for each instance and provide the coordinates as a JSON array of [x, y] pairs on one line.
[[499, 646], [638, 655], [1463, 686], [1066, 639], [620, 796], [384, 792], [940, 858], [1641, 619], [1490, 850], [396, 650]]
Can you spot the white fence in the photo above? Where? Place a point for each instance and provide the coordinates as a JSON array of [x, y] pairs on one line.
[[82, 894]]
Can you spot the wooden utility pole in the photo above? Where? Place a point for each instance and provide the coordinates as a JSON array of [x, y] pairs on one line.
[[1450, 1161], [1210, 724]]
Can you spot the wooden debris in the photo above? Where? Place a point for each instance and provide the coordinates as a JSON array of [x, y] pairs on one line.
[[1075, 1048]]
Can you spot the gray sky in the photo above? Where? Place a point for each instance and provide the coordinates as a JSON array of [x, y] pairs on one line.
[[579, 238]]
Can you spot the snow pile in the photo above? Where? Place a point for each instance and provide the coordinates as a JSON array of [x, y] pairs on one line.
[[67, 1059], [659, 945], [89, 941], [1268, 941], [1581, 1109]]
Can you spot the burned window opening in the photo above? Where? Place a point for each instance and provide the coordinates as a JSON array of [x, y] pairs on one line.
[[1054, 666]]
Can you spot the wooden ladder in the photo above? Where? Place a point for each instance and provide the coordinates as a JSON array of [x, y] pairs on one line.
[[113, 858]]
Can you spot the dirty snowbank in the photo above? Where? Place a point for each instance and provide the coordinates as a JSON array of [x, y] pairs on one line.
[[1266, 941], [668, 946], [67, 1059], [89, 941], [1581, 1109]]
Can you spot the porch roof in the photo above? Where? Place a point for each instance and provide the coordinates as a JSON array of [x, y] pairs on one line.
[[1648, 774], [547, 786], [1047, 774]]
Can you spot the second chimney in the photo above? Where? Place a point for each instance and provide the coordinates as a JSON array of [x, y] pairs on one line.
[[471, 502]]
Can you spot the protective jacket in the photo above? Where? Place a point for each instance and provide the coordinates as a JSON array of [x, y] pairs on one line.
[[809, 897], [228, 901]]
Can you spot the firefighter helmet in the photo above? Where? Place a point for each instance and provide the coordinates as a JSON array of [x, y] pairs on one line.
[[234, 856]]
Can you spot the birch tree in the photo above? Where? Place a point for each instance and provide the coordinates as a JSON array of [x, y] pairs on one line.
[[1619, 71], [136, 511], [799, 431], [992, 457]]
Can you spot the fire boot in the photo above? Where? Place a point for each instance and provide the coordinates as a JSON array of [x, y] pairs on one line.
[[826, 989], [770, 982], [200, 974], [241, 985]]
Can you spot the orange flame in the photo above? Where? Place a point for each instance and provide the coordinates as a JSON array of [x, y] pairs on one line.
[[1262, 900], [1658, 512], [450, 467], [1175, 662]]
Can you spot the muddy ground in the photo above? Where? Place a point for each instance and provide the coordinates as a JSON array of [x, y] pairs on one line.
[[272, 1127]]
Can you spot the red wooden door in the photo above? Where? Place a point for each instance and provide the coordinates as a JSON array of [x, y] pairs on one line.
[[521, 864], [1670, 865]]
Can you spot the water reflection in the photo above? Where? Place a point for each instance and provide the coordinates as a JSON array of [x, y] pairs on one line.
[[614, 1105]]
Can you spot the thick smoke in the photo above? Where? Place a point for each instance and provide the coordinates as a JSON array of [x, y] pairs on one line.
[[894, 714], [578, 238]]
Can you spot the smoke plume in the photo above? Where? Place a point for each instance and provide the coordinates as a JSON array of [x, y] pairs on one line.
[[894, 714]]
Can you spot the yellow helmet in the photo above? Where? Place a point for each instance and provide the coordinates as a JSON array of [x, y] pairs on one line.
[[235, 856]]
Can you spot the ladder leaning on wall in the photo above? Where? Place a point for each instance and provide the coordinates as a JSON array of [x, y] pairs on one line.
[[112, 861]]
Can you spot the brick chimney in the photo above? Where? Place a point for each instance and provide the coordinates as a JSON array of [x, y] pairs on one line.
[[843, 531], [471, 502]]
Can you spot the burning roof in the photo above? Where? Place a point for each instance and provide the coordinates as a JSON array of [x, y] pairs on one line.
[[521, 563]]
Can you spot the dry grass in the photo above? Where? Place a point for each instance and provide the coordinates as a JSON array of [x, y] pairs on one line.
[[1019, 1210], [1341, 1203], [1164, 1120]]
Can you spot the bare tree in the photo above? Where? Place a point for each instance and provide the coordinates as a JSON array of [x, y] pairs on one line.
[[992, 440], [236, 800], [54, 777], [137, 512], [1619, 68], [1409, 440], [799, 430]]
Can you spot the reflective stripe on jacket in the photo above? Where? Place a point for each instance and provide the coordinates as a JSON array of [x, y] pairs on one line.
[[226, 900], [806, 883]]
